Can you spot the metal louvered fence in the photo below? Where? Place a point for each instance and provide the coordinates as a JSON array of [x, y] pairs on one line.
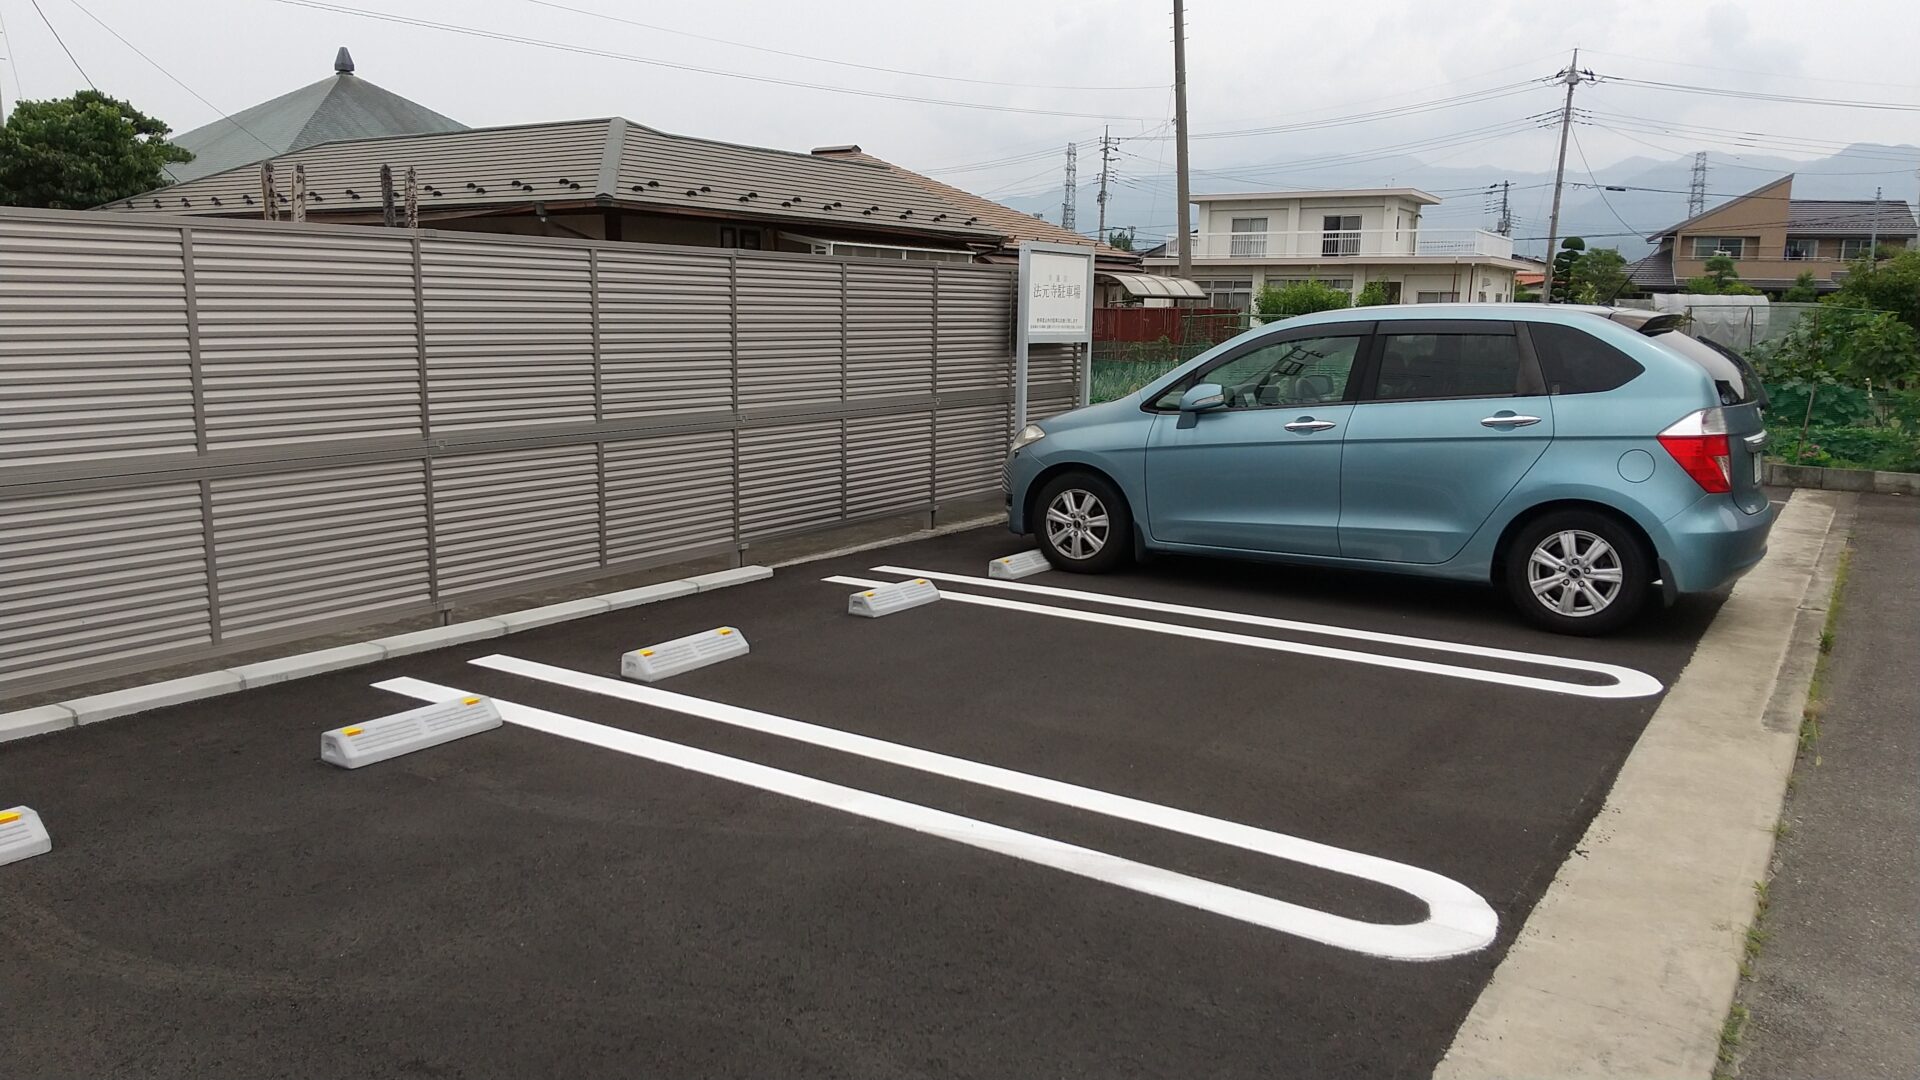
[[221, 435]]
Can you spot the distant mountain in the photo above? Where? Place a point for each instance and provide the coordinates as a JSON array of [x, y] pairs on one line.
[[1656, 195]]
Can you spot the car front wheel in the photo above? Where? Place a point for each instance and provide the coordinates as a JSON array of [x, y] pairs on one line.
[[1578, 572], [1083, 524]]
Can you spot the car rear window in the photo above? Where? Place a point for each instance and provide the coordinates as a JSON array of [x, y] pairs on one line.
[[1575, 362], [1732, 376]]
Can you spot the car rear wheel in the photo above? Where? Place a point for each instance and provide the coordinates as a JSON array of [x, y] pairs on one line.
[[1578, 572], [1083, 524]]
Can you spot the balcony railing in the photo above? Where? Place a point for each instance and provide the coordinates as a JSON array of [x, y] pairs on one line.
[[1347, 243]]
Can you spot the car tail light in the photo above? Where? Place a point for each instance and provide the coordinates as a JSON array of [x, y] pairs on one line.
[[1698, 442]]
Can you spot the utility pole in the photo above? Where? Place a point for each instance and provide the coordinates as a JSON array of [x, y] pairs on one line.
[[1068, 215], [1873, 231], [1504, 223], [1573, 77], [1183, 238], [1106, 168], [1697, 191]]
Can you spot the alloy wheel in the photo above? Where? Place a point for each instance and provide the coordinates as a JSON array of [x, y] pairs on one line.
[[1575, 573], [1078, 525]]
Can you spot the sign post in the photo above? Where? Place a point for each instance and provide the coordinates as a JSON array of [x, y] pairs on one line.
[[1055, 306]]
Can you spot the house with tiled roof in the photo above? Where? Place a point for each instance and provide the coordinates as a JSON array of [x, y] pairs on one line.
[[342, 106], [1773, 238], [605, 179]]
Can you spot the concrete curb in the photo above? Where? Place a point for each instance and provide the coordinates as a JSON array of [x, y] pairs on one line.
[[1827, 478], [46, 719], [1629, 963]]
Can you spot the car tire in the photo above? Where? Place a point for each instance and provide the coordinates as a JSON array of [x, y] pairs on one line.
[[1578, 572], [1083, 525]]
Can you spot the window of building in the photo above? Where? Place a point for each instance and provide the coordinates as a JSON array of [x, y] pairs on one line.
[[1436, 298], [1416, 367], [1340, 235], [1706, 247], [1575, 362], [1802, 248], [1854, 248], [1249, 238], [1236, 293], [742, 237]]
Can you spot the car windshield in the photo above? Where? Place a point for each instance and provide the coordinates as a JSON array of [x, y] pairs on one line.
[[1732, 376]]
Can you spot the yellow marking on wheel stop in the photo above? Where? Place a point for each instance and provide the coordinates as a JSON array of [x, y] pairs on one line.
[[724, 633], [470, 701], [351, 731], [866, 594], [9, 817], [646, 652]]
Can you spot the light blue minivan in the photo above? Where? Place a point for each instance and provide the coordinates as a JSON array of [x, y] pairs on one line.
[[1586, 459]]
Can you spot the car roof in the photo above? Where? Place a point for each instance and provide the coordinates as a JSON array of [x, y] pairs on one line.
[[1573, 313]]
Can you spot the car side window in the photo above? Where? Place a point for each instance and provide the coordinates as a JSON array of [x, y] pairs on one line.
[[1575, 362], [1415, 367], [1302, 371]]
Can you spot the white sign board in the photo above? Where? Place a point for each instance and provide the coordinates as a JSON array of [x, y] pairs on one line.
[[1059, 290], [1055, 307]]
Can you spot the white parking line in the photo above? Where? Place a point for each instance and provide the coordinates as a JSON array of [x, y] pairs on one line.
[[1639, 682], [1630, 683], [1458, 920]]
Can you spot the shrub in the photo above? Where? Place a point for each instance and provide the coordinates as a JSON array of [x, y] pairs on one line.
[[1300, 298], [1372, 294]]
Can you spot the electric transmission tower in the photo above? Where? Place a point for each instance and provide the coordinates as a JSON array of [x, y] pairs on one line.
[[1697, 191], [1067, 216]]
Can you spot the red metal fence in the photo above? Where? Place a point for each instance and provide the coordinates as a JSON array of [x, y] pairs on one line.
[[1179, 326]]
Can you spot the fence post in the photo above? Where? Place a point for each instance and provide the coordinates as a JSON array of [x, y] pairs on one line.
[[733, 394]]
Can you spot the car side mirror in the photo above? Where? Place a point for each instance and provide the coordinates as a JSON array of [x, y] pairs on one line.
[[1203, 397]]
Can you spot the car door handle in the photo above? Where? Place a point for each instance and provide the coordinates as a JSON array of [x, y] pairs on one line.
[[1509, 420], [1311, 425]]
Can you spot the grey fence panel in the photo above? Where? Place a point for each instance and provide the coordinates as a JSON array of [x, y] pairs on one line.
[[666, 332], [889, 463], [101, 576], [509, 333], [319, 545], [668, 494], [792, 333], [970, 449], [305, 338], [975, 321], [515, 516], [94, 356], [218, 435], [790, 478], [889, 334]]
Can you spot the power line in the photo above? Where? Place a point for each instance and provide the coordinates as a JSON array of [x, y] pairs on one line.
[[829, 60], [156, 64], [1758, 139], [1750, 71], [607, 54], [63, 47], [1598, 188], [1492, 94], [1761, 95]]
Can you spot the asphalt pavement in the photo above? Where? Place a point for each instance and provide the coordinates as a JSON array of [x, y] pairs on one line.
[[221, 904]]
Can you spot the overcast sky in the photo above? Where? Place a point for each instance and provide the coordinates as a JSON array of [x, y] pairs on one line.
[[1252, 64]]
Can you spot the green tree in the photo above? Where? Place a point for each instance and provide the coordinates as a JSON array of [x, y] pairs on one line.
[[1571, 250], [1120, 239], [1372, 294], [1600, 277], [1299, 298], [1803, 290], [80, 152], [1893, 285], [1883, 351], [1721, 279]]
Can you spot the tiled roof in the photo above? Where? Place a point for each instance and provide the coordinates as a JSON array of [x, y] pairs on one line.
[[612, 161], [341, 106], [1017, 226], [1849, 217], [1654, 269]]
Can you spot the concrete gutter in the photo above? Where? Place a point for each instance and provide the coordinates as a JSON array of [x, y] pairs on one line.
[[87, 710], [1878, 481], [1629, 963]]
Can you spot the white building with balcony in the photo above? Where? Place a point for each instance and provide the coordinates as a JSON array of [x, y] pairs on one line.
[[1244, 240]]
